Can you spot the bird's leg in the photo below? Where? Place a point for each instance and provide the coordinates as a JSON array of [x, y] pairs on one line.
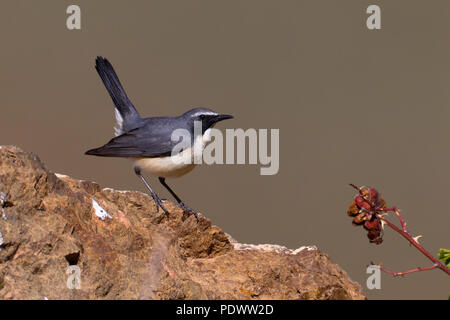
[[155, 197], [180, 203]]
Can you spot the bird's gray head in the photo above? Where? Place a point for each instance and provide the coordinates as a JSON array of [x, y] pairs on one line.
[[208, 117]]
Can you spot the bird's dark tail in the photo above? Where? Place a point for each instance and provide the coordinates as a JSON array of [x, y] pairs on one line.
[[126, 114]]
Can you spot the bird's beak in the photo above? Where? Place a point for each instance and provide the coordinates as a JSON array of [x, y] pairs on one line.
[[221, 117]]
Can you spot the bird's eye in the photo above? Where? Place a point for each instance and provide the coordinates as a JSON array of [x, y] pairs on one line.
[[202, 116]]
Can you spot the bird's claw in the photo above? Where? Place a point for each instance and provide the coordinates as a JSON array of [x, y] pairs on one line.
[[188, 210], [158, 204]]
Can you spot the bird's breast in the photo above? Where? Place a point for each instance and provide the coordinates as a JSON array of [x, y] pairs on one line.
[[169, 166], [176, 165]]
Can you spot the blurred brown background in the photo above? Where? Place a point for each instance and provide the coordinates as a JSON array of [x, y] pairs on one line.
[[352, 105]]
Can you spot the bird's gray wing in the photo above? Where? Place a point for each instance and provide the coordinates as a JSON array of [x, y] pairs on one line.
[[151, 140]]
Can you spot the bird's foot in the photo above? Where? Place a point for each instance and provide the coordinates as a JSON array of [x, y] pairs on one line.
[[158, 203], [186, 209]]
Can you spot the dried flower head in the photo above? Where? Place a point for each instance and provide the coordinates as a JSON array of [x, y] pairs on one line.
[[365, 209]]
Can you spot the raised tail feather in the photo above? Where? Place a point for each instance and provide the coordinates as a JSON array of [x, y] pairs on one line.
[[126, 114]]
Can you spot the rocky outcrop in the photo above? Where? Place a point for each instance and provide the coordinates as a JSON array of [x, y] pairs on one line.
[[125, 249]]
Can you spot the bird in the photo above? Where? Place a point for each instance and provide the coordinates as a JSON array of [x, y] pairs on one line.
[[147, 142]]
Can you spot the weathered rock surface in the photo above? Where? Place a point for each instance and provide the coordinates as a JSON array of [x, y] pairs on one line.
[[126, 250]]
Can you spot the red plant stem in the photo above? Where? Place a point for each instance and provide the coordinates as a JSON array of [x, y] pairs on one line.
[[396, 274], [406, 235], [399, 216]]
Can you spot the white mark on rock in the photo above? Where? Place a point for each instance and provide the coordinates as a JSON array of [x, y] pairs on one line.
[[1, 241], [45, 298], [3, 204], [61, 176], [268, 247], [119, 191], [99, 211], [272, 248]]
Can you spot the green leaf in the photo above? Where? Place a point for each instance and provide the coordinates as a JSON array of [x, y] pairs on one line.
[[444, 257]]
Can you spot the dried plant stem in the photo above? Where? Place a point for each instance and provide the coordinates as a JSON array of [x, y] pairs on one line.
[[404, 232], [397, 274], [407, 236]]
